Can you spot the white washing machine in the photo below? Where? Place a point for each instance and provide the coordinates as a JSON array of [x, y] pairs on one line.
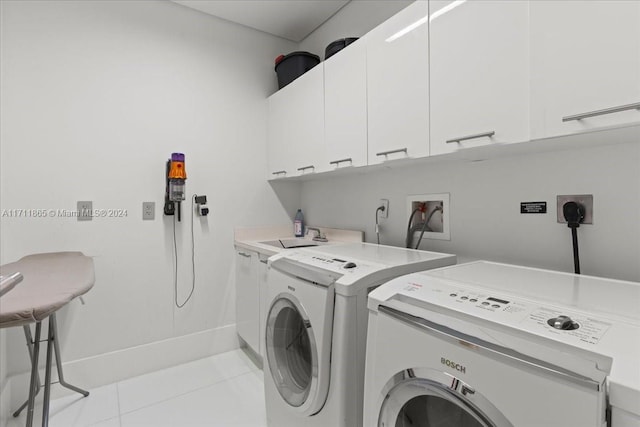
[[315, 337], [486, 344]]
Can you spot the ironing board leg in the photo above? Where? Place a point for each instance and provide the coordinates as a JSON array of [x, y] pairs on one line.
[[31, 343], [56, 346], [47, 378], [29, 338], [33, 387]]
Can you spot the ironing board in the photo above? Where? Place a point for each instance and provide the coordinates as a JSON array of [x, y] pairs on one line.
[[50, 281]]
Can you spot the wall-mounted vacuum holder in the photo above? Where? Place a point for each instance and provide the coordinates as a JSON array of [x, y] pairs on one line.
[[176, 174], [202, 208]]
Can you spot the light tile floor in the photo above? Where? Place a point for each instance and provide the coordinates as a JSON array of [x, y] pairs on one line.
[[222, 390]]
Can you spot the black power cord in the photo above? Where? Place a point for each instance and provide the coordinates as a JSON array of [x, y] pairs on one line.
[[574, 214], [409, 238], [425, 225], [193, 260]]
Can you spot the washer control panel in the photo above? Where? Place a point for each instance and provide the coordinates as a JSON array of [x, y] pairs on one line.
[[336, 265], [559, 323]]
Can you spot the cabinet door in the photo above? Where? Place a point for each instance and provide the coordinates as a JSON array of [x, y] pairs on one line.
[[307, 122], [345, 107], [264, 304], [479, 65], [280, 153], [398, 86], [247, 298], [296, 126], [585, 58]]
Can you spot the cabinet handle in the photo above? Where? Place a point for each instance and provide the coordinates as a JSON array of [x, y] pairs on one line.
[[465, 138], [399, 150], [337, 162], [304, 168], [264, 261], [279, 173], [635, 106], [244, 255]]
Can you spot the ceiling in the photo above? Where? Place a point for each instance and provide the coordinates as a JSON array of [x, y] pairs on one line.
[[290, 19]]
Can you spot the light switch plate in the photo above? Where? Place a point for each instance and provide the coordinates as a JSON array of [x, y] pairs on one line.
[[85, 210], [148, 211]]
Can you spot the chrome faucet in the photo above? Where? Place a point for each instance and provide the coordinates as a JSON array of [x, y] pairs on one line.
[[319, 236]]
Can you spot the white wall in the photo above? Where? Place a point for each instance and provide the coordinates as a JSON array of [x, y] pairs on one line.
[[355, 19], [485, 214], [95, 97]]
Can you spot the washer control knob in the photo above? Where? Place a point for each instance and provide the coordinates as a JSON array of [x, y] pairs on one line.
[[349, 265], [563, 322]]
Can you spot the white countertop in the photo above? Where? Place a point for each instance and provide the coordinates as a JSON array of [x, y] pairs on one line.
[[251, 238]]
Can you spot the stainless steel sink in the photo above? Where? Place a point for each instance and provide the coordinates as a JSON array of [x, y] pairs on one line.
[[292, 243]]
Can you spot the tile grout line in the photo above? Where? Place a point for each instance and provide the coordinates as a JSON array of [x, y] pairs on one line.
[[183, 394]]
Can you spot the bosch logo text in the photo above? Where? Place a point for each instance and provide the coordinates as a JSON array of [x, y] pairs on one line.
[[453, 365]]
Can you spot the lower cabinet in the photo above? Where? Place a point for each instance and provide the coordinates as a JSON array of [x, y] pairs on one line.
[[264, 303], [248, 298], [251, 298]]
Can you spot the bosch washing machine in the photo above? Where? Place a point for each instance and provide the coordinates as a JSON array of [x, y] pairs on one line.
[[315, 337], [494, 345]]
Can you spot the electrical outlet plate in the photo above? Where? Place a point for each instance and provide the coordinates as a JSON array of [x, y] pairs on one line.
[[585, 200], [439, 221], [385, 212], [148, 211], [85, 210]]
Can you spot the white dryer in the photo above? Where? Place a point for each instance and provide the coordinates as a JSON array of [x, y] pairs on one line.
[[315, 337], [486, 344]]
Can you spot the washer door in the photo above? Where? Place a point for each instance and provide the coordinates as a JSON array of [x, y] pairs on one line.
[[429, 398], [292, 353]]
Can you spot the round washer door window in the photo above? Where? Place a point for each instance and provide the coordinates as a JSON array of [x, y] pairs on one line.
[[420, 402], [291, 352], [434, 411]]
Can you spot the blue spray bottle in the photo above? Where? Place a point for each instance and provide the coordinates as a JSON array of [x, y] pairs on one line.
[[298, 224]]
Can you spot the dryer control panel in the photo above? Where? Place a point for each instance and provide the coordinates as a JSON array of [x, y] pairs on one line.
[[342, 266], [559, 323]]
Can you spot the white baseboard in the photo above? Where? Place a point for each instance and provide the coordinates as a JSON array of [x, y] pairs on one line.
[[108, 368]]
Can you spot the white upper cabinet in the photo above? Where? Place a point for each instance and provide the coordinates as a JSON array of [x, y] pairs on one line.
[[479, 67], [345, 107], [279, 156], [398, 86], [585, 65], [296, 127]]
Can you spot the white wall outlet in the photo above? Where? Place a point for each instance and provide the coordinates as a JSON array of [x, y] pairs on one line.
[[385, 212], [434, 209], [85, 210], [586, 200], [148, 211]]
